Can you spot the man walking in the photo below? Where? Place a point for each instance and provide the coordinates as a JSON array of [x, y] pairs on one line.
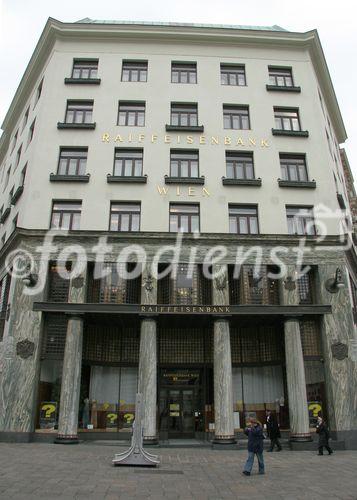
[[254, 431], [324, 436], [273, 431]]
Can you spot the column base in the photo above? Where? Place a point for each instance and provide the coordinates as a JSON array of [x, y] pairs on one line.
[[150, 440], [66, 439], [300, 438], [224, 442]]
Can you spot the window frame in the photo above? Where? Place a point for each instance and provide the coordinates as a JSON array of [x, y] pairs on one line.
[[289, 158], [184, 68], [189, 215], [92, 65], [182, 152], [142, 66], [64, 149], [281, 117], [72, 213], [247, 217], [306, 220], [234, 111], [280, 69], [133, 159], [233, 69], [238, 157], [137, 113], [190, 110], [82, 106], [130, 213]]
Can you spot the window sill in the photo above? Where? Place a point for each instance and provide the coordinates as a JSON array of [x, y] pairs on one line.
[[283, 88], [82, 81], [17, 195], [291, 133], [184, 180], [297, 184], [69, 178], [126, 178], [62, 125], [241, 182], [5, 215], [184, 128]]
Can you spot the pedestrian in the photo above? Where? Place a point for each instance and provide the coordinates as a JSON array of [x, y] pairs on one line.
[[273, 431], [324, 436], [254, 431]]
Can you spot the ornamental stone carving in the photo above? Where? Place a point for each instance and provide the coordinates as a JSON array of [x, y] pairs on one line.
[[148, 283], [339, 350], [220, 281], [25, 348], [78, 282]]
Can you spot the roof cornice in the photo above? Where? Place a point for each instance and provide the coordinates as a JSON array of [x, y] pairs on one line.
[[194, 34]]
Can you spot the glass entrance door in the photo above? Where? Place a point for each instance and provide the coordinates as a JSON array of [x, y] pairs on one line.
[[181, 413]]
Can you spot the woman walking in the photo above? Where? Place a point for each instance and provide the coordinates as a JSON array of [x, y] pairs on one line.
[[254, 431], [324, 436]]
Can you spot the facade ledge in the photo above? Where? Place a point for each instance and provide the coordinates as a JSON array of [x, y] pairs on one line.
[[127, 178], [17, 195], [226, 181], [174, 309], [5, 215], [280, 88], [290, 133], [184, 180], [69, 178], [186, 128], [297, 184], [62, 125], [82, 81]]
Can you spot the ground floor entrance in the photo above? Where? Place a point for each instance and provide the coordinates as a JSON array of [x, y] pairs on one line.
[[185, 406]]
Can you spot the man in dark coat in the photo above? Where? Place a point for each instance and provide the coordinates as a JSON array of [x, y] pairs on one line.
[[254, 431], [273, 431], [324, 436]]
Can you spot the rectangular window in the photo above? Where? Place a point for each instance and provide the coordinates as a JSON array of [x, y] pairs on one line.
[[354, 298], [128, 162], [184, 115], [14, 140], [85, 69], [72, 161], [66, 214], [18, 156], [39, 92], [14, 222], [134, 71], [281, 77], [236, 117], [300, 220], [31, 131], [239, 165], [286, 119], [131, 114], [23, 175], [26, 117], [79, 112], [125, 217], [233, 74], [293, 167], [183, 163], [184, 218], [4, 296], [306, 286], [183, 72], [243, 219], [7, 177]]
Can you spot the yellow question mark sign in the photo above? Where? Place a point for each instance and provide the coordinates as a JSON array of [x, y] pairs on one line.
[[49, 409], [316, 408], [129, 417], [112, 417]]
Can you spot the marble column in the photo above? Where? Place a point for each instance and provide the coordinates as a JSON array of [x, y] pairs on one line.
[[295, 370], [222, 363], [147, 381], [72, 365], [295, 375]]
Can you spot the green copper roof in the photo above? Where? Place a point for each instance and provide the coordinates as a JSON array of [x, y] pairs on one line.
[[87, 20]]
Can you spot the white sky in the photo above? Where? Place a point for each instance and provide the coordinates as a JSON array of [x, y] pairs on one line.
[[22, 21]]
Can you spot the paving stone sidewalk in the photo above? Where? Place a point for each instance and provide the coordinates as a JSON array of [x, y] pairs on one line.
[[84, 471]]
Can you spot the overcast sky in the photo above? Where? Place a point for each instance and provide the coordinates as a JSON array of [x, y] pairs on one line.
[[22, 21]]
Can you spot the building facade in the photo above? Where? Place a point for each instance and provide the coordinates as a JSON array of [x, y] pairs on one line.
[[169, 225]]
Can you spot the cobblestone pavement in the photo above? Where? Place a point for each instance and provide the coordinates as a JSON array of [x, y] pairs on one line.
[[84, 471]]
